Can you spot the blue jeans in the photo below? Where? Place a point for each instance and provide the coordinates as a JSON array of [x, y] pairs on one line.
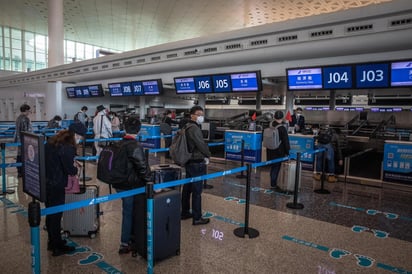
[[194, 189], [330, 159], [127, 218], [274, 172]]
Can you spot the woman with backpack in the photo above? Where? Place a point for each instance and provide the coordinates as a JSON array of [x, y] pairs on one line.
[[277, 150]]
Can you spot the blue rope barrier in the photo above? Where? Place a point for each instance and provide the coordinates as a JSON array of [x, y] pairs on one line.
[[216, 144]]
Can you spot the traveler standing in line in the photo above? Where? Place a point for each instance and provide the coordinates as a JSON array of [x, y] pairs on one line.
[[23, 123], [298, 120], [196, 166], [55, 122], [281, 151], [166, 129], [138, 173], [82, 117], [60, 151], [102, 127]]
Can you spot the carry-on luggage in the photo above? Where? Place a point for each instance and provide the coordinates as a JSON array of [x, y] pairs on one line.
[[166, 225], [166, 173], [286, 180], [82, 221]]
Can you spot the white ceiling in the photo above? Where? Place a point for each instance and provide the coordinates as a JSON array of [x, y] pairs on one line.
[[132, 24]]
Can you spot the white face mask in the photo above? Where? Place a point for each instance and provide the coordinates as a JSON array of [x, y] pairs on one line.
[[200, 119]]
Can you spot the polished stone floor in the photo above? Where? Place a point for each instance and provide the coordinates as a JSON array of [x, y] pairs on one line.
[[354, 229]]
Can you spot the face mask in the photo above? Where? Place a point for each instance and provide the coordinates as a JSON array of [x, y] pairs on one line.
[[200, 119]]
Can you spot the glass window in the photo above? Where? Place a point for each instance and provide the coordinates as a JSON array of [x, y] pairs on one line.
[[40, 60], [6, 32], [17, 61], [40, 44], [30, 60], [29, 41], [70, 50], [79, 51], [88, 50]]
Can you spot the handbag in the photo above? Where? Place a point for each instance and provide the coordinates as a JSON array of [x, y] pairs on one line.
[[73, 184]]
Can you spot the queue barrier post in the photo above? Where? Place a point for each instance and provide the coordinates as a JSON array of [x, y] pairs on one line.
[[322, 190], [34, 215], [149, 222], [242, 160], [84, 177], [295, 204], [241, 231], [3, 171]]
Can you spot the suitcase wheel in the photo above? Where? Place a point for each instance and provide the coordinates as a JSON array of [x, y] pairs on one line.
[[66, 234], [134, 254], [92, 235]]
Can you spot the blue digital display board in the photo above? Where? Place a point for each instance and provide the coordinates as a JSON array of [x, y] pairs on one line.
[[85, 91], [115, 89], [372, 75], [222, 83], [185, 85], [78, 91], [401, 74], [245, 81], [71, 92], [337, 77], [304, 78], [96, 90], [152, 87], [137, 88], [203, 84]]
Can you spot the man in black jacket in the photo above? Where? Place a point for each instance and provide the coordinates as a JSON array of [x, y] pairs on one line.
[[138, 175], [196, 166]]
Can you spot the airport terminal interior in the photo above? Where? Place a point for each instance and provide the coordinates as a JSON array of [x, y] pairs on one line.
[[345, 65]]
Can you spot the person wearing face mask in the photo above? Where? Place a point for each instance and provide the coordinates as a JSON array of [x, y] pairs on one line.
[[60, 151], [298, 120], [196, 166], [56, 122]]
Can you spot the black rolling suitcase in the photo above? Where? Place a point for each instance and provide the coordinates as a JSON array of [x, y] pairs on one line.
[[166, 225], [166, 173]]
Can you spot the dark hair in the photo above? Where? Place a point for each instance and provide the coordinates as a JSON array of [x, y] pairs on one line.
[[63, 137], [195, 108], [24, 108], [299, 109], [278, 115], [57, 118], [84, 108], [167, 112], [132, 125]]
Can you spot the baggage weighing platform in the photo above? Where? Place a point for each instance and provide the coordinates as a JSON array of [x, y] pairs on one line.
[[252, 145]]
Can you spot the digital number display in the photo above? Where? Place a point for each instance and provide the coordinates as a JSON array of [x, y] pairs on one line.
[[372, 75], [304, 79], [137, 88], [71, 93], [126, 89], [115, 89], [203, 84], [96, 91], [151, 87], [337, 77], [185, 85], [78, 91], [221, 83], [401, 74], [245, 82]]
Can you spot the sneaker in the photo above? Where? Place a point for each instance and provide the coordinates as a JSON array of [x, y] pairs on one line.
[[332, 179], [186, 216], [124, 249], [201, 221], [317, 176], [65, 249]]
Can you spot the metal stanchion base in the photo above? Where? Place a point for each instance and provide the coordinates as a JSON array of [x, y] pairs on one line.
[[295, 206], [322, 191], [241, 231], [8, 191], [87, 178]]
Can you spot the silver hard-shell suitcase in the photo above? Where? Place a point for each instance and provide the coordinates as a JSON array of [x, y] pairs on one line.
[[82, 221], [286, 180]]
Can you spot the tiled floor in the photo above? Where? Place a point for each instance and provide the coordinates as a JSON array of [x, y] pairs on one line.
[[354, 229]]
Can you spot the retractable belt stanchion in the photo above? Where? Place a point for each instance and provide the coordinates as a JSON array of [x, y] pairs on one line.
[[85, 178], [322, 177], [149, 220], [295, 204], [242, 159], [241, 231], [3, 171], [34, 221]]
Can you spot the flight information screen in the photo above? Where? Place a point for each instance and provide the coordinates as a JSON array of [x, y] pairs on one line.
[[337, 77], [222, 83], [245, 81], [372, 75], [304, 79], [185, 85], [401, 74]]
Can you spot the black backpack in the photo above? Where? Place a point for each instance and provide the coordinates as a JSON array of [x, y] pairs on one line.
[[179, 150], [325, 137], [112, 167]]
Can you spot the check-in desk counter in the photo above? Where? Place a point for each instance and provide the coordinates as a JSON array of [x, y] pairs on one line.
[[146, 133], [252, 145], [397, 162], [302, 143]]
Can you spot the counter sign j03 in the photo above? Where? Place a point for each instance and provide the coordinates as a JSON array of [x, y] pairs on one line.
[[372, 76]]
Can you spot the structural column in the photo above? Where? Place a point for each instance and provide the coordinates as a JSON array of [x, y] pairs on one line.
[[54, 102], [55, 33]]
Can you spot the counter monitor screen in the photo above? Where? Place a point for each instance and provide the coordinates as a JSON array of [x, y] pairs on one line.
[[137, 88], [248, 81], [185, 85], [152, 87], [71, 92], [372, 75], [222, 83], [203, 84], [96, 90], [115, 89], [304, 79], [337, 77], [401, 74]]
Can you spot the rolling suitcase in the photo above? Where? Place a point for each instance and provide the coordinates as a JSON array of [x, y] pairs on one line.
[[166, 225], [286, 180], [82, 221], [166, 173]]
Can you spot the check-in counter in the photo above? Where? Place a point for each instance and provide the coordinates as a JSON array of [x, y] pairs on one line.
[[303, 143], [146, 132], [397, 162], [252, 145]]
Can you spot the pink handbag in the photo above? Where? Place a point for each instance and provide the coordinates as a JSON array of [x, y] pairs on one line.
[[73, 184]]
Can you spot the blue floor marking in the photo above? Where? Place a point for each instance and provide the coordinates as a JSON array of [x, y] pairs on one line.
[[337, 253], [373, 212]]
